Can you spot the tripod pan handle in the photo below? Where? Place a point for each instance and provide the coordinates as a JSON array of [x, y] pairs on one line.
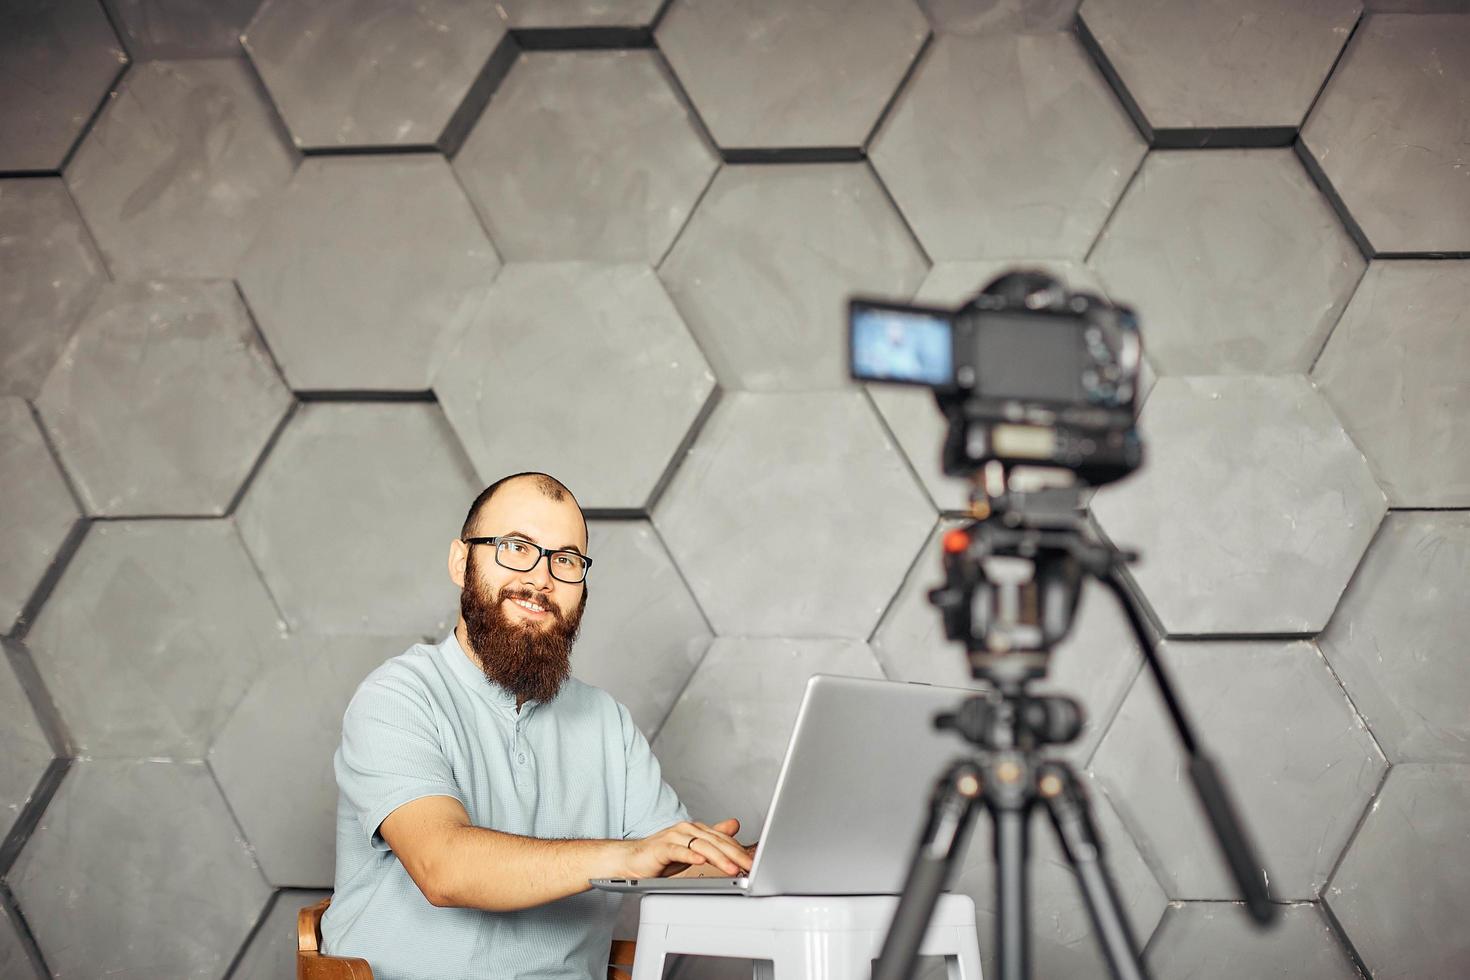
[[1249, 874]]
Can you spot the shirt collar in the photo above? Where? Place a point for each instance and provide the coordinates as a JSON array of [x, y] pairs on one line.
[[472, 677]]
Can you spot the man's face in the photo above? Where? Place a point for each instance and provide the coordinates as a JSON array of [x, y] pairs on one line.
[[521, 624]]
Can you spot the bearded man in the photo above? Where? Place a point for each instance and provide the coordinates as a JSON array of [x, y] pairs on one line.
[[481, 785]]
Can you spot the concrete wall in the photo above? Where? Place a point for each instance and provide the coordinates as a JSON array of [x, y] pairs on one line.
[[282, 288]]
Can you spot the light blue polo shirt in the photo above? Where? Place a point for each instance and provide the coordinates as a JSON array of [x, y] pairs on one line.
[[428, 723]]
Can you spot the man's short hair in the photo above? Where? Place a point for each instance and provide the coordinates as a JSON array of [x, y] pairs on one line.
[[550, 487]]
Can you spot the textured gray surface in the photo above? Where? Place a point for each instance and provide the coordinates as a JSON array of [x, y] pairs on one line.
[[763, 271], [1196, 64], [910, 413], [176, 901], [1233, 260], [1389, 129], [278, 744], [51, 271], [1296, 757], [585, 155], [27, 754], [1208, 940], [152, 635], [371, 72], [1397, 638], [999, 16], [365, 268], [745, 694], [355, 501], [1063, 944], [14, 960], [179, 169], [39, 510], [951, 153], [579, 13], [1252, 510], [58, 58], [643, 634], [182, 28], [794, 515], [1401, 893], [271, 954], [621, 355], [1095, 664], [768, 73], [1394, 371], [162, 400]]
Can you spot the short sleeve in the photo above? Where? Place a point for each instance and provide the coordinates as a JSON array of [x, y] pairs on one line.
[[390, 753], [650, 804]]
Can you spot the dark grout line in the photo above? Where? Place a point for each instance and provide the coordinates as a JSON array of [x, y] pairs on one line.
[[260, 920], [481, 91], [31, 813], [583, 38], [28, 944], [1113, 80], [900, 89], [365, 396]]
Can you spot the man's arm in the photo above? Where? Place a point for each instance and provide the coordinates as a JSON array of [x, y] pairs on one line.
[[456, 864]]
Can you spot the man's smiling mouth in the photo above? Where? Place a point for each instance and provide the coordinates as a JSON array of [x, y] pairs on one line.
[[531, 606]]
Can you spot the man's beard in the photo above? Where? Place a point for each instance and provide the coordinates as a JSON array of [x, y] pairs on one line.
[[531, 662]]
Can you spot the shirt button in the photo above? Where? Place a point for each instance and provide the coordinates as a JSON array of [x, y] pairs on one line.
[[521, 759]]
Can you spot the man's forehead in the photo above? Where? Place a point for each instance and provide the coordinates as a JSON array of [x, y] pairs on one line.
[[522, 506]]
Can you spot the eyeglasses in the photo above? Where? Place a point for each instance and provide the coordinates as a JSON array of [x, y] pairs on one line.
[[520, 555]]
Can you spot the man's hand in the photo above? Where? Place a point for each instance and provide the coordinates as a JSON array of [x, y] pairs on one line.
[[687, 844]]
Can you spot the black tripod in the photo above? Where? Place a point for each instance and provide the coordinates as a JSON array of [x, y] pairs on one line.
[[1013, 583]]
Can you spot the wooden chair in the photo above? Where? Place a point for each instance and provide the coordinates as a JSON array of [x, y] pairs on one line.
[[313, 964]]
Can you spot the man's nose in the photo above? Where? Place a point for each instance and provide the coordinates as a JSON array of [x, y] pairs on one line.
[[539, 575]]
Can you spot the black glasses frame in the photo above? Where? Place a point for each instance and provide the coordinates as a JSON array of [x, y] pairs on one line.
[[543, 553]]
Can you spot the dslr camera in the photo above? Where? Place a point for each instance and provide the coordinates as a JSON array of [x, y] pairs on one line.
[[1027, 374]]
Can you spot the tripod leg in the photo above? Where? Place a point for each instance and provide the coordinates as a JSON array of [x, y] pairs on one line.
[[1009, 798], [950, 810], [1072, 818]]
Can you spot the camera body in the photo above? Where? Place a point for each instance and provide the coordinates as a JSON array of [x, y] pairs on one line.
[[1026, 373]]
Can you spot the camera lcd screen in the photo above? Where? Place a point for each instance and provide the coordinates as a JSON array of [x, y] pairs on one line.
[[908, 345], [1029, 356]]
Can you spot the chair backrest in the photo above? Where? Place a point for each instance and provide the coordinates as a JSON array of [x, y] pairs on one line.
[[311, 964]]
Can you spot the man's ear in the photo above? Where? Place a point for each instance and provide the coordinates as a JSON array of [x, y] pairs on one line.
[[458, 553]]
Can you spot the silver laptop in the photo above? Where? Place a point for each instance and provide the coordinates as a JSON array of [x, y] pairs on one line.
[[852, 795]]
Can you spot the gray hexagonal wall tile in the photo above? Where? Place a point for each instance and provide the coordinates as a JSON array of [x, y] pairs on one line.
[[1397, 638], [1394, 370], [1207, 940], [971, 193], [1191, 64], [15, 961], [59, 59], [182, 851], [618, 342], [523, 14], [1063, 944], [1233, 260], [911, 413], [182, 28], [351, 515], [51, 273], [585, 155], [271, 954], [39, 511], [152, 635], [643, 634], [177, 173], [1401, 892], [1095, 664], [1251, 510], [163, 399], [365, 267], [999, 16], [765, 73], [748, 690], [27, 752], [794, 515], [278, 745], [371, 72], [763, 271], [1298, 760], [1384, 130]]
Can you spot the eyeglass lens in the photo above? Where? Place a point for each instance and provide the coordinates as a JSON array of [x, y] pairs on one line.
[[522, 556]]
